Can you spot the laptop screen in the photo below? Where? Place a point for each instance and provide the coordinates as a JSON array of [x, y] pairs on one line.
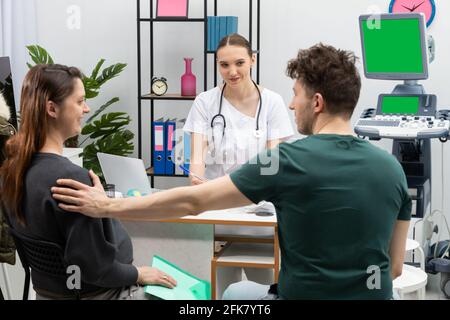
[[125, 173]]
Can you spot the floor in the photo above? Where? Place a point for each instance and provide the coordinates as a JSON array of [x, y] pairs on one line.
[[433, 291]]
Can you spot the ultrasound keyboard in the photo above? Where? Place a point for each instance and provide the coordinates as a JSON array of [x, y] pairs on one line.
[[419, 127], [404, 117]]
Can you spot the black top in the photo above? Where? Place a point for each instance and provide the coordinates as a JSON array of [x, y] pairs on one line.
[[101, 248]]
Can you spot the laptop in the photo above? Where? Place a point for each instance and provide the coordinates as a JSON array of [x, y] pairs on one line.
[[125, 173]]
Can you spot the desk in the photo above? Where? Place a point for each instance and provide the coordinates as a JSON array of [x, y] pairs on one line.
[[235, 216], [189, 242]]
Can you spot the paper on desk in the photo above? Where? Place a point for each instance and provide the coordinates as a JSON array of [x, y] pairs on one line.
[[263, 206], [188, 286]]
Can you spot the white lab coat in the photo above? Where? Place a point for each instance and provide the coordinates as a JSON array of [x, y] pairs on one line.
[[239, 143]]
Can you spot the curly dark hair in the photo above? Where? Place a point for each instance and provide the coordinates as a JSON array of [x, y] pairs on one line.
[[332, 73]]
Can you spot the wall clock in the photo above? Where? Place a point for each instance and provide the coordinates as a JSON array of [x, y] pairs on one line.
[[427, 7]]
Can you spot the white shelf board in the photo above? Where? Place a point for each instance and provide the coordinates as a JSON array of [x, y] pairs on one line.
[[259, 253]]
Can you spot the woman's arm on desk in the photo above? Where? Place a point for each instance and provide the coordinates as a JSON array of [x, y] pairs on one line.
[[92, 201], [199, 145]]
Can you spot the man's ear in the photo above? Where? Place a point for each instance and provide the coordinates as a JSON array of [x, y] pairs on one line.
[[253, 60], [51, 109], [319, 103]]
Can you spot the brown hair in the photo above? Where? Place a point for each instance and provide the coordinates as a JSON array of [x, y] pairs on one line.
[[42, 83], [235, 39], [332, 73]]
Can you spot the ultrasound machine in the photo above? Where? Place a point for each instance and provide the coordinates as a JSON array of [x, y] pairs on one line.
[[395, 47]]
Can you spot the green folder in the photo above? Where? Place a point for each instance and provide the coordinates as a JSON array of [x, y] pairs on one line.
[[188, 286]]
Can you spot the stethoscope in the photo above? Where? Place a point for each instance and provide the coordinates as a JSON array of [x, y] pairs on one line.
[[219, 118]]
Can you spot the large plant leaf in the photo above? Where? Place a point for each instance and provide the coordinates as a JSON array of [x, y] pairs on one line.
[[90, 160], [91, 87], [110, 72], [128, 135], [93, 83], [94, 165], [117, 143], [102, 108], [108, 124], [39, 55], [97, 68], [90, 152]]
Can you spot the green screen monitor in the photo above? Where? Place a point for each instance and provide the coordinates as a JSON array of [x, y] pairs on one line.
[[394, 46], [404, 105]]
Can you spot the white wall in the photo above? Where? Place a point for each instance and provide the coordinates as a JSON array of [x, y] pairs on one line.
[[108, 30]]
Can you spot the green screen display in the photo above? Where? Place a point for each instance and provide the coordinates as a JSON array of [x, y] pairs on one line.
[[393, 47], [400, 105]]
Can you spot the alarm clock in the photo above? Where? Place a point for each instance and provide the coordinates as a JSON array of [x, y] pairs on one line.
[[427, 7], [159, 86]]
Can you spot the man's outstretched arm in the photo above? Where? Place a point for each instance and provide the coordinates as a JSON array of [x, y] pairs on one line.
[[92, 201]]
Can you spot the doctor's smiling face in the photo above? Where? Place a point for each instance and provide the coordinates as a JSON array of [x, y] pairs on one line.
[[235, 59], [234, 64]]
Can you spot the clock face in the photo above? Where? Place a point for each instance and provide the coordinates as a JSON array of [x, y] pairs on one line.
[[427, 7], [159, 87]]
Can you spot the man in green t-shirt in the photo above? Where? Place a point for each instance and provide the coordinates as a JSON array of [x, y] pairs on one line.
[[342, 204]]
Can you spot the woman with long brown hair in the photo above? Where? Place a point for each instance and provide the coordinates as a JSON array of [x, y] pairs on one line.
[[52, 108]]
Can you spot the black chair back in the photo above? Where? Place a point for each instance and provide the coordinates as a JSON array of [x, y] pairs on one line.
[[38, 255]]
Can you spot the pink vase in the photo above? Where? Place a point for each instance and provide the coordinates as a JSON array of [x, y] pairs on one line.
[[188, 80]]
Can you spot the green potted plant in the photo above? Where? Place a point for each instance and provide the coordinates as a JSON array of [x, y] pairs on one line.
[[102, 132]]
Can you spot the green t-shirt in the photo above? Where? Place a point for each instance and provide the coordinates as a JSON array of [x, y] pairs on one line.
[[337, 200]]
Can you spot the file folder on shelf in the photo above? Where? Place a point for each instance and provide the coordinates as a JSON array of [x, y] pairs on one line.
[[222, 28], [216, 33], [187, 150], [209, 46], [188, 286], [169, 141], [179, 151], [158, 158], [232, 24], [219, 27]]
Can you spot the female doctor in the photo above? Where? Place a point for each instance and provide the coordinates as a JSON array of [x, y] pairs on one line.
[[229, 125], [232, 123]]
